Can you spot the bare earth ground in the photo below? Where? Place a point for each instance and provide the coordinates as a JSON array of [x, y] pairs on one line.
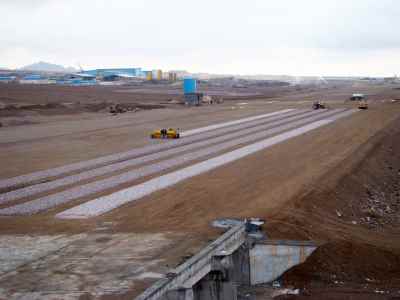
[[300, 186], [357, 211]]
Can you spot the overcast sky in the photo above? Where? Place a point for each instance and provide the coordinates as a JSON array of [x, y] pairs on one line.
[[307, 37]]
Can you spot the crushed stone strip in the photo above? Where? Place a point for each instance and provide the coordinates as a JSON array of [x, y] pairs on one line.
[[72, 179], [107, 203], [53, 200], [100, 161], [224, 124]]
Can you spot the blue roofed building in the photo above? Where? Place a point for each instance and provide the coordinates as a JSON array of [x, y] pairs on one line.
[[115, 72], [6, 78], [34, 79]]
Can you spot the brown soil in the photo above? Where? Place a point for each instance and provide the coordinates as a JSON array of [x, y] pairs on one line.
[[356, 209], [25, 104], [255, 185], [348, 262], [22, 100], [38, 94], [335, 293], [259, 185]]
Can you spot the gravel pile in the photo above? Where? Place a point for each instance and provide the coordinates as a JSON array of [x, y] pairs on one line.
[[381, 208], [47, 186], [101, 161]]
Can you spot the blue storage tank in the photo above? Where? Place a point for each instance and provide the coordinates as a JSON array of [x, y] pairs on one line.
[[189, 85]]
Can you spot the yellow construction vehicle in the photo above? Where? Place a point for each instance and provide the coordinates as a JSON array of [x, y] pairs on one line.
[[362, 104], [164, 133]]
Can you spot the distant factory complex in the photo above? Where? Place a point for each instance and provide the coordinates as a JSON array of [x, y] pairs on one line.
[[111, 76], [91, 77]]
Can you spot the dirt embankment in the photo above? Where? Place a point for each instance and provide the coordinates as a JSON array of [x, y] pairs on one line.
[[40, 94], [355, 208], [49, 100]]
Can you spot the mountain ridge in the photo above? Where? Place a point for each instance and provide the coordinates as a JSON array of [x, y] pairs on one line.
[[42, 66]]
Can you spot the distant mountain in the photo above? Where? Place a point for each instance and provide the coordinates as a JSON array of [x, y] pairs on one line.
[[48, 67]]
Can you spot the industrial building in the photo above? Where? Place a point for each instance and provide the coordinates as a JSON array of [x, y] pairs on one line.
[[118, 73], [121, 72], [7, 78], [110, 76], [34, 79], [172, 76], [157, 75], [148, 75]]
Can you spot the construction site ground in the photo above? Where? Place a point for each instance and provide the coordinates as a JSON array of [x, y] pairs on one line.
[[338, 184]]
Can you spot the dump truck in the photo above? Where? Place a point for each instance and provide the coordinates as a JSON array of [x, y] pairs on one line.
[[164, 133]]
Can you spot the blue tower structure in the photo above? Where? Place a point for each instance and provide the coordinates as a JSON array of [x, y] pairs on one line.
[[189, 85], [192, 97]]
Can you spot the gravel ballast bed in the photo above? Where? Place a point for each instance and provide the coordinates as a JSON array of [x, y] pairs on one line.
[[69, 180], [101, 161], [105, 204], [53, 200]]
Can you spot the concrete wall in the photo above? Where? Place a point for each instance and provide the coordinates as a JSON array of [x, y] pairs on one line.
[[270, 259], [239, 272], [215, 287], [233, 259], [185, 276]]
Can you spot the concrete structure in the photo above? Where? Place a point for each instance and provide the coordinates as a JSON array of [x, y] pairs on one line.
[[193, 98], [270, 259], [95, 265], [180, 282], [216, 271]]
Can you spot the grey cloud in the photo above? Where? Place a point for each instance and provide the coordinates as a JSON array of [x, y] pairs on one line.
[[204, 33], [24, 4]]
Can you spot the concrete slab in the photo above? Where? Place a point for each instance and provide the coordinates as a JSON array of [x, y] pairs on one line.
[[72, 266]]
